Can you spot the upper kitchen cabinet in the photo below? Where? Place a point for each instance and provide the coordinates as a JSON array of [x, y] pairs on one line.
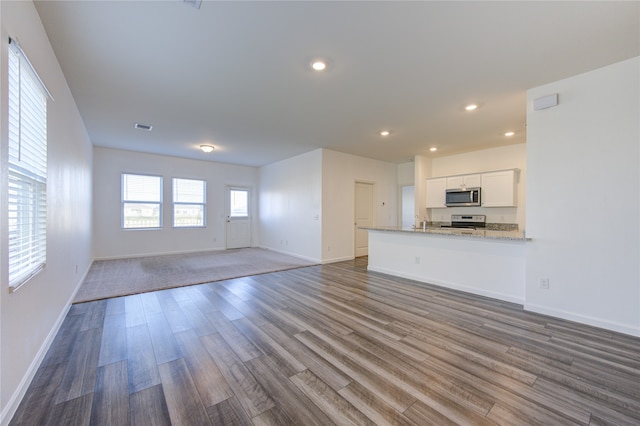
[[463, 181], [499, 188], [436, 189]]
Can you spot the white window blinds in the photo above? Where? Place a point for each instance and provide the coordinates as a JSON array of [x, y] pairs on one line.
[[141, 201], [27, 172], [188, 202]]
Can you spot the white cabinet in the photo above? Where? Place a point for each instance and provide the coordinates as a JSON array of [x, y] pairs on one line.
[[499, 189], [463, 181], [435, 192]]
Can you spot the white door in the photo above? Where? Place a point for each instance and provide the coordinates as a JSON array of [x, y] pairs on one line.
[[363, 217], [238, 218]]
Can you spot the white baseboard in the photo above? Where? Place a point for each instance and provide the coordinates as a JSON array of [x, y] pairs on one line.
[[449, 285], [133, 256], [311, 259], [337, 259], [23, 386], [584, 319], [288, 253]]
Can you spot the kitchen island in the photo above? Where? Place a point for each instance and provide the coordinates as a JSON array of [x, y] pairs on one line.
[[484, 262]]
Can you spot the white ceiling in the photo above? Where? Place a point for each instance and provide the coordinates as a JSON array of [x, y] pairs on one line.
[[235, 74]]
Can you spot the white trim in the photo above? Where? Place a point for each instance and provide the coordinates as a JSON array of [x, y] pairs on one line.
[[337, 259], [132, 256], [309, 259], [584, 319], [448, 284]]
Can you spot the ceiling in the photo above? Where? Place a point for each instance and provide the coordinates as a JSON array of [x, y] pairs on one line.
[[236, 74]]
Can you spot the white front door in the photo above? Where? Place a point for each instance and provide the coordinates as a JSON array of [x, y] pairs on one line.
[[238, 217], [363, 217]]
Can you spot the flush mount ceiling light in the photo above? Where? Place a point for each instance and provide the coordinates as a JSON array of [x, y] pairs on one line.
[[207, 148], [471, 107], [318, 64], [385, 133], [433, 149], [509, 134], [143, 127]]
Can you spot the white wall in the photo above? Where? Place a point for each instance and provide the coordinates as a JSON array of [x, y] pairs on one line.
[[307, 203], [492, 268], [291, 206], [406, 194], [499, 158], [31, 316], [583, 199], [111, 241], [406, 173], [421, 172], [339, 174]]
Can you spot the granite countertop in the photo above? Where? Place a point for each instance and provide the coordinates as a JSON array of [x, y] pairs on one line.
[[456, 232]]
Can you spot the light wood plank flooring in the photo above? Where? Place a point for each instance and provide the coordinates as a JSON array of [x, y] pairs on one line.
[[325, 345]]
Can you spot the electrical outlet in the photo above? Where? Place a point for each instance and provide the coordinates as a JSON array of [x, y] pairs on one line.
[[417, 260], [544, 283]]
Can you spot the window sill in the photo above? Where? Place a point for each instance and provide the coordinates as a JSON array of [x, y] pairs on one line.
[[15, 287]]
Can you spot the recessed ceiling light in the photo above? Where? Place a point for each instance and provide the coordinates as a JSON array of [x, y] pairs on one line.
[[471, 107], [509, 134], [384, 133], [207, 148], [433, 149], [143, 127]]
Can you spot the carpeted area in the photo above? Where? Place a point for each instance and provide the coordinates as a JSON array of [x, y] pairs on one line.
[[121, 277]]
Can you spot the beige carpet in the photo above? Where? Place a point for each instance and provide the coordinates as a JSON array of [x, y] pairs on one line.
[[121, 277]]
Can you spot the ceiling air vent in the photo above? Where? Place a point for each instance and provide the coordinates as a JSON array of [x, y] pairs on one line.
[[193, 3], [143, 127]]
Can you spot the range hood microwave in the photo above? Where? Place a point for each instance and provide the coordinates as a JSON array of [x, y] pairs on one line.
[[462, 197]]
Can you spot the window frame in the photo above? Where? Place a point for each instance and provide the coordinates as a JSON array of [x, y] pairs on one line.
[[182, 203], [124, 202], [26, 169]]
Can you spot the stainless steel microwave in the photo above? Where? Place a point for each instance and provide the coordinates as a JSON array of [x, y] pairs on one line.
[[465, 197]]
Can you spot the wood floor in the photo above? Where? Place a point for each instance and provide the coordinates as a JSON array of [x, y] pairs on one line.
[[325, 345]]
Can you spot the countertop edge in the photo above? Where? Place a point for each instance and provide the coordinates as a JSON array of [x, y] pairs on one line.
[[456, 233]]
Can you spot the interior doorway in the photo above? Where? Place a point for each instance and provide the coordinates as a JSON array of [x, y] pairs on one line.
[[238, 217], [407, 206], [363, 216]]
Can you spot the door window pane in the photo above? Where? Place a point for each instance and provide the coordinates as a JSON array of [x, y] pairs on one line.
[[239, 203]]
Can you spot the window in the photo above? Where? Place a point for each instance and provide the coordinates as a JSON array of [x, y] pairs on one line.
[[27, 171], [238, 203], [141, 201], [188, 202]]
